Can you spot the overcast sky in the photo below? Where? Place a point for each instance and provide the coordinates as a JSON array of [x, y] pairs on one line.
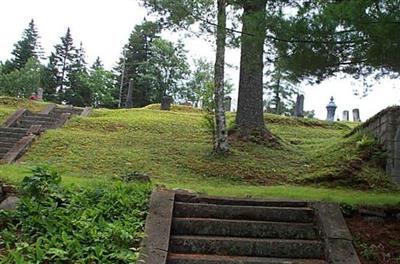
[[104, 27]]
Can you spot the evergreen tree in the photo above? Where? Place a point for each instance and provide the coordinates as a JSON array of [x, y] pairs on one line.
[[360, 38], [98, 64], [78, 93], [281, 89], [50, 80], [64, 59], [156, 66], [28, 47], [137, 53], [167, 67]]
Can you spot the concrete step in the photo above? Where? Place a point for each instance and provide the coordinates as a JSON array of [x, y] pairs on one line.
[[242, 228], [213, 259], [187, 198], [42, 115], [4, 150], [72, 111], [9, 140], [28, 123], [14, 130], [6, 144], [39, 118], [240, 212], [255, 247], [4, 134]]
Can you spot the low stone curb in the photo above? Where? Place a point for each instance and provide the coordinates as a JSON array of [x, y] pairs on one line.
[[13, 118], [339, 247], [158, 227]]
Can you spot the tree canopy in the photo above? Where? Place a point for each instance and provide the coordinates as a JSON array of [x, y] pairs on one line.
[[355, 37]]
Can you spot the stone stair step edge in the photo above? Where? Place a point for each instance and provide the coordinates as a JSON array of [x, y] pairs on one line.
[[67, 110], [9, 140], [282, 248], [4, 150], [37, 121], [36, 118], [11, 135], [187, 198], [215, 259], [243, 228], [13, 130], [6, 144], [240, 212]]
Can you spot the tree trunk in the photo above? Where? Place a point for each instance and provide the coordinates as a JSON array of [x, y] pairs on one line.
[[250, 118], [221, 134]]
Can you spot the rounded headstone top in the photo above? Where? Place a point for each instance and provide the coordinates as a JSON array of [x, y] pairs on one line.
[[332, 103]]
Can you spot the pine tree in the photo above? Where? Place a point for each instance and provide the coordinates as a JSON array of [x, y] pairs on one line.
[[98, 64], [64, 59], [28, 47], [79, 93], [50, 79], [136, 55]]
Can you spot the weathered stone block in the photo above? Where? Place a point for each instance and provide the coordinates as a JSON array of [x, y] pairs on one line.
[[10, 203], [166, 103]]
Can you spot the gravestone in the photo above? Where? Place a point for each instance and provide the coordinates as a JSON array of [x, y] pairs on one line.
[[166, 103], [331, 109], [227, 103], [396, 169], [129, 97], [356, 115], [346, 115], [40, 94], [299, 109]]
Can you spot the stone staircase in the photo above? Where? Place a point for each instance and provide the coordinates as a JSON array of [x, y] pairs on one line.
[[9, 137], [22, 127], [210, 230]]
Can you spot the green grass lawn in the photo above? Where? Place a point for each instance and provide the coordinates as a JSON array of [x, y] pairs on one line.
[[315, 161], [8, 105]]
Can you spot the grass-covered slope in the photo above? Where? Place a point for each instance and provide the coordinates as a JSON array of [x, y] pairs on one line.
[[174, 149], [8, 105]]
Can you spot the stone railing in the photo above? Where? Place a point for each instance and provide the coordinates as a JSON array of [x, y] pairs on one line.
[[385, 127]]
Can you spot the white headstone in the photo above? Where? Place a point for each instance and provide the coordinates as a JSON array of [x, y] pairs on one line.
[[39, 93]]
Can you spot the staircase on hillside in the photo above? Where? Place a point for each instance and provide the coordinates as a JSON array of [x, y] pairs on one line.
[[209, 230], [21, 128], [9, 137]]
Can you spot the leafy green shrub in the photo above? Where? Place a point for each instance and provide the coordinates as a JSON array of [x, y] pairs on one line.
[[102, 224], [370, 147], [42, 183]]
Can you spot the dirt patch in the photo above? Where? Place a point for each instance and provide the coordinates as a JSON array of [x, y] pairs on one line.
[[377, 240]]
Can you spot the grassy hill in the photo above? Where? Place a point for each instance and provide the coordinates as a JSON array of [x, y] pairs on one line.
[[8, 105], [314, 161]]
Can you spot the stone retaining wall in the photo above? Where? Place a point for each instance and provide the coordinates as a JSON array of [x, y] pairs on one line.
[[385, 126]]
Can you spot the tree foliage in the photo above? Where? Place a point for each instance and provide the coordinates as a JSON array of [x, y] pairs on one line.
[[156, 66], [26, 48], [355, 37], [64, 58], [102, 87], [22, 82]]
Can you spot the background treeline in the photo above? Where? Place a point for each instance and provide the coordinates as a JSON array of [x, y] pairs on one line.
[[156, 67]]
